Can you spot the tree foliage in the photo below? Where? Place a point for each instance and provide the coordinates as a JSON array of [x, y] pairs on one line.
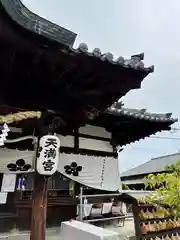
[[167, 188], [125, 186]]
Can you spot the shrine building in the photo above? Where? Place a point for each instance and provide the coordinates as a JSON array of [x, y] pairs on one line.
[[42, 71]]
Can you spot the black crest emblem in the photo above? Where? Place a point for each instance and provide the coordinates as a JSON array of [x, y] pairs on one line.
[[20, 165], [73, 169]]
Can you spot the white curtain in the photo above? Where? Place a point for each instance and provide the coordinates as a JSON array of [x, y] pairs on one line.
[[96, 172], [9, 156]]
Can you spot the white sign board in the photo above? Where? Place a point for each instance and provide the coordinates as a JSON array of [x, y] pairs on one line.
[[8, 183], [79, 231], [3, 198], [48, 155]]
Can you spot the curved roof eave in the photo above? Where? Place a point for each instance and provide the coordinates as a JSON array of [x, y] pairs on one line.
[[95, 77], [142, 114], [32, 22], [38, 25]]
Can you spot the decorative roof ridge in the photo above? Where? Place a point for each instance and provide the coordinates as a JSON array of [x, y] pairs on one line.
[[142, 114], [135, 62], [34, 23]]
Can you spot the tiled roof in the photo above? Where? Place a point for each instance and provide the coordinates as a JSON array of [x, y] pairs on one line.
[[154, 165], [141, 114], [88, 81], [135, 62], [27, 19], [130, 125], [41, 26]]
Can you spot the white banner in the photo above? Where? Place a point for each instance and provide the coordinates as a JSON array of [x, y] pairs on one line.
[[95, 172], [15, 161]]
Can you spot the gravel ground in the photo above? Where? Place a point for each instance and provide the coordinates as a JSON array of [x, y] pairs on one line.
[[125, 233]]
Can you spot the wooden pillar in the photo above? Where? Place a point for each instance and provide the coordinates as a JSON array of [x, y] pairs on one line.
[[136, 212], [39, 208], [39, 197]]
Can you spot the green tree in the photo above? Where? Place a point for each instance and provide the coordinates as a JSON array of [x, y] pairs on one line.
[[125, 187], [167, 188]]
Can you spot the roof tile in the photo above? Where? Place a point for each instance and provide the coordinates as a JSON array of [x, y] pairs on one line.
[[141, 114]]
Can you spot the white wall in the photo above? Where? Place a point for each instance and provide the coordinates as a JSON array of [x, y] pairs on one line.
[[84, 142], [93, 144], [66, 141], [95, 131], [87, 143]]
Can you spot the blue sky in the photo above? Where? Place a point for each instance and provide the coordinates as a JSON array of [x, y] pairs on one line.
[[125, 28]]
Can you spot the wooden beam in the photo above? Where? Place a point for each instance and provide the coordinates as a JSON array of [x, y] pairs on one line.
[[89, 152]]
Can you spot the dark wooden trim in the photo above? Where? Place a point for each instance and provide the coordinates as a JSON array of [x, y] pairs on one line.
[[94, 137], [136, 212], [76, 139], [97, 153], [89, 152]]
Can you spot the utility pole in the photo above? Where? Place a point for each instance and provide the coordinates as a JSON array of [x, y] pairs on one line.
[[39, 198]]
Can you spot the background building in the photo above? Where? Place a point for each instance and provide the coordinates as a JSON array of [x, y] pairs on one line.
[[134, 178]]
